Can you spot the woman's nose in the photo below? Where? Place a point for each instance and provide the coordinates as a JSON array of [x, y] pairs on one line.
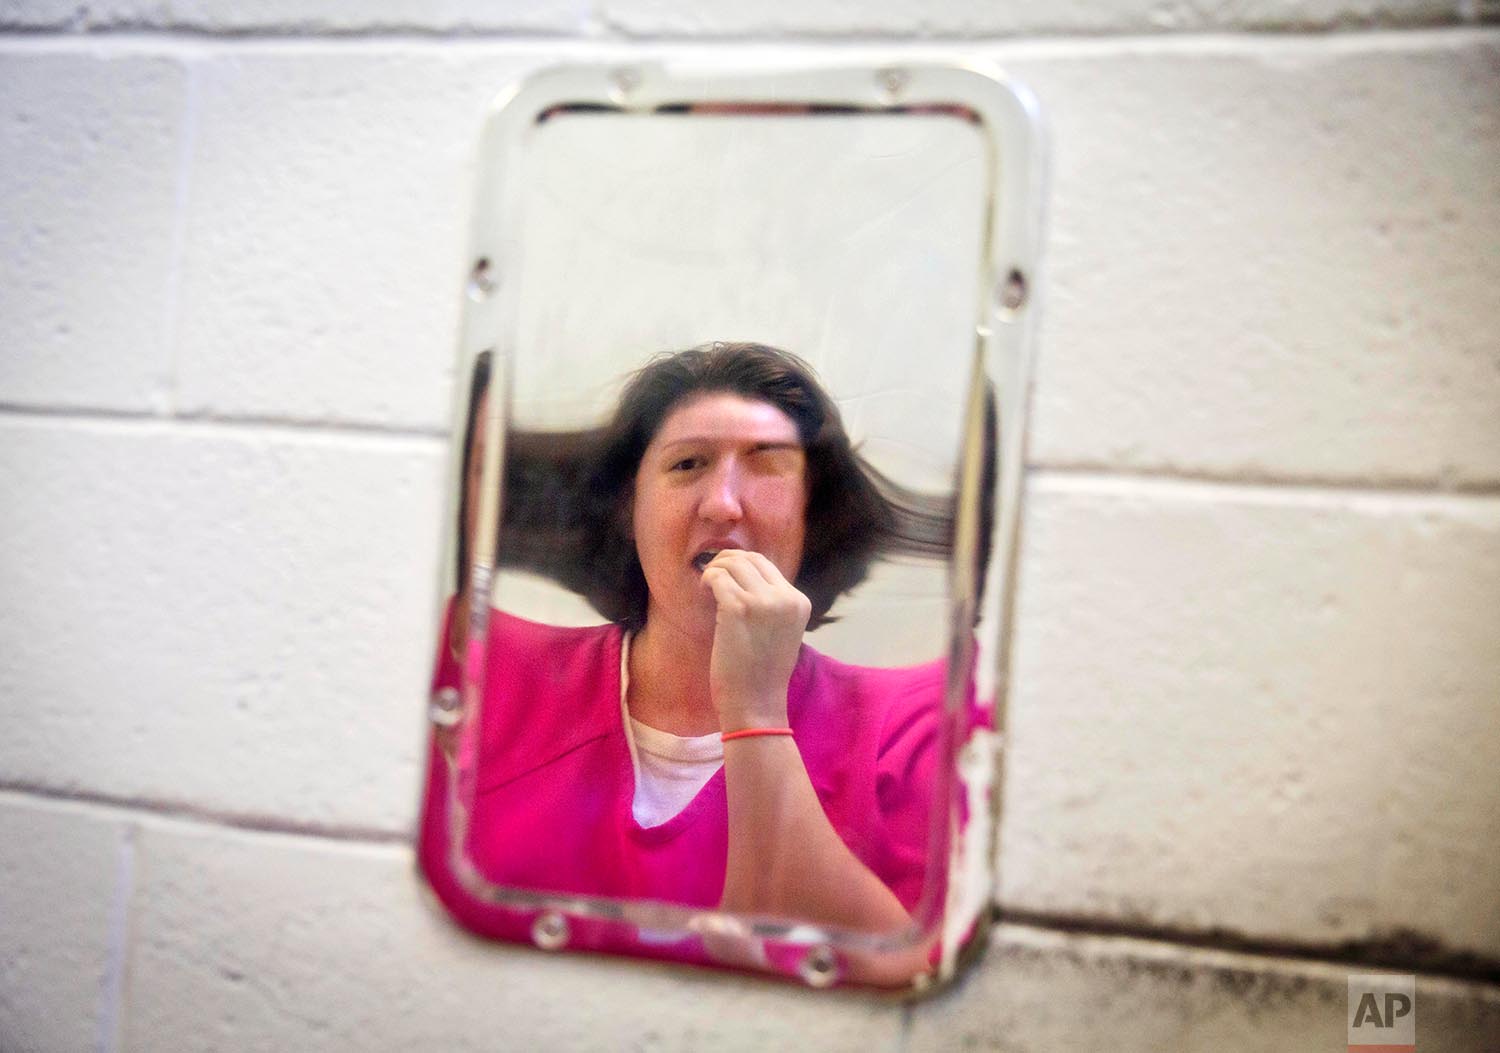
[[721, 500]]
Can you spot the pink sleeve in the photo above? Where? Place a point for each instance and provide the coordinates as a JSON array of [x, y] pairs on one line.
[[906, 771]]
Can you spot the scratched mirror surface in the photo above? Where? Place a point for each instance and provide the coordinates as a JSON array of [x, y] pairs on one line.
[[716, 676]]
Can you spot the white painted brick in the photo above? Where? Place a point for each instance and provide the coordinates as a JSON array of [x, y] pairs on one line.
[[59, 865], [323, 16], [69, 14], [328, 220], [1038, 990], [1262, 710], [1274, 258], [89, 151], [1337, 324], [218, 619], [1301, 14], [971, 18], [299, 16], [718, 18], [266, 942]]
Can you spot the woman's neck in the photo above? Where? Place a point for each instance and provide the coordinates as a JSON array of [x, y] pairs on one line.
[[669, 680]]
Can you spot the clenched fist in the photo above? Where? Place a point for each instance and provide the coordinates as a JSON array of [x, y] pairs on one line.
[[757, 634]]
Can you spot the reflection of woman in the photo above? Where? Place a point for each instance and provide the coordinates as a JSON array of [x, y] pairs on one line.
[[694, 749]]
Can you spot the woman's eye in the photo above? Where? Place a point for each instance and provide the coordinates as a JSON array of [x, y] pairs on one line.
[[777, 460], [686, 464]]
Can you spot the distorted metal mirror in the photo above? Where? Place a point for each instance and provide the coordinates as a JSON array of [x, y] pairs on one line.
[[742, 386]]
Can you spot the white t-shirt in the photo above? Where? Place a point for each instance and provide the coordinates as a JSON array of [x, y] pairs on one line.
[[669, 769]]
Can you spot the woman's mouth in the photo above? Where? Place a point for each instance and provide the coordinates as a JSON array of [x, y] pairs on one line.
[[704, 558]]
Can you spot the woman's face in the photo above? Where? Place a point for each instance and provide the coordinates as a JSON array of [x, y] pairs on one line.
[[723, 471]]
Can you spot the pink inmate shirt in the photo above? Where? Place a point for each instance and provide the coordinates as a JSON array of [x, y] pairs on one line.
[[555, 781]]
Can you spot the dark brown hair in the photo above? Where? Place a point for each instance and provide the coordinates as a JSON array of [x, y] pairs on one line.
[[479, 383], [567, 495]]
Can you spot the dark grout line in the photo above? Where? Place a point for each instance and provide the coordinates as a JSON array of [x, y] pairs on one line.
[[167, 809], [908, 1010], [1395, 486], [23, 410], [613, 34], [271, 425], [1400, 948], [271, 34], [112, 979], [1041, 471]]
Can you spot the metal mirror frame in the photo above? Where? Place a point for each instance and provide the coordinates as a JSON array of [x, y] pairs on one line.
[[1007, 116]]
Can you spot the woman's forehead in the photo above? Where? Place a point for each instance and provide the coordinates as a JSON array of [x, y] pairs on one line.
[[723, 417]]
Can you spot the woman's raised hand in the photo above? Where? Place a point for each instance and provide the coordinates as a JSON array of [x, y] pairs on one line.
[[784, 857], [758, 631]]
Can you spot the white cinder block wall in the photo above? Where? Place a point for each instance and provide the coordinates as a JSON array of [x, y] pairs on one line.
[[1256, 711]]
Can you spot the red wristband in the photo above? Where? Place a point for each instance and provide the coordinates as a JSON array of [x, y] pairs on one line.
[[745, 733]]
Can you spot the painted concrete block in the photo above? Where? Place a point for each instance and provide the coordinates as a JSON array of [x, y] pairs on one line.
[[972, 18], [1273, 258], [327, 227], [218, 619], [68, 15], [268, 942], [61, 924], [298, 16], [331, 17], [1041, 990], [947, 18], [89, 170], [1282, 276], [1258, 710]]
